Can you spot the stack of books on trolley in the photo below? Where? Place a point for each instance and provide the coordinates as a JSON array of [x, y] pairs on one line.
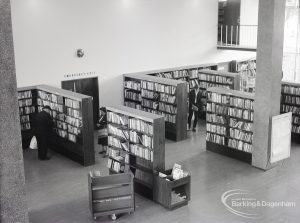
[[135, 143], [230, 123]]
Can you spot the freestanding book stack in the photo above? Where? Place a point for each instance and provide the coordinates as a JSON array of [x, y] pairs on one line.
[[290, 102], [136, 142], [230, 123], [160, 96], [72, 117]]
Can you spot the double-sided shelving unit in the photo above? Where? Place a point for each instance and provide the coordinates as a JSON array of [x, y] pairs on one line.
[[247, 70], [160, 96], [136, 143], [230, 123], [290, 102], [72, 118]]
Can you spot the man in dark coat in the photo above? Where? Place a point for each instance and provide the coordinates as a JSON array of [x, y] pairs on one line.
[[44, 125], [194, 106]]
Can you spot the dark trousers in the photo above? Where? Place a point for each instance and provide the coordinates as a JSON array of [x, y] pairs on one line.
[[42, 145], [191, 113]]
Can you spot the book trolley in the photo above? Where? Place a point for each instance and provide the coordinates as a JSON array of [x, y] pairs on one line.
[[72, 117]]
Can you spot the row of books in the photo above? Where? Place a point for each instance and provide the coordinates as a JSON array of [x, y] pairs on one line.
[[167, 98], [240, 145], [215, 78], [24, 119], [70, 128], [132, 104], [27, 110], [290, 90], [290, 108], [132, 85], [51, 97], [221, 130], [206, 85], [215, 108], [73, 112], [290, 99], [117, 119], [150, 104], [241, 135], [72, 103], [241, 113], [217, 98], [25, 102], [150, 94], [295, 129], [141, 152], [132, 95], [116, 154], [141, 126], [168, 117], [52, 105], [112, 141], [242, 125], [177, 74], [241, 103], [215, 138], [144, 140], [158, 87], [296, 120], [122, 133], [167, 108], [24, 94], [115, 165], [64, 134], [216, 118], [25, 126]]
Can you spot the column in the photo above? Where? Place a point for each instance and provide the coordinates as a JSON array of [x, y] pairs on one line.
[[12, 181], [271, 18]]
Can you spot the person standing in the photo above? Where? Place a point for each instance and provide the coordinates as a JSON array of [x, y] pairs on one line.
[[194, 106], [43, 127]]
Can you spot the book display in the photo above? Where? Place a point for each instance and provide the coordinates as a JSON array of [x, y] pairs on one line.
[[230, 123], [160, 96], [136, 143], [247, 71], [71, 113], [111, 195], [290, 102]]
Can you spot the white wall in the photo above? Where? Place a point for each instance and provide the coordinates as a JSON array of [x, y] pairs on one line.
[[118, 36]]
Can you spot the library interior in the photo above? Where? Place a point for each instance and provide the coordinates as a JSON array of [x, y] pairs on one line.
[[150, 111]]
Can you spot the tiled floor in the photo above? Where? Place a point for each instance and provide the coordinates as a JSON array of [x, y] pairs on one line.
[[57, 189]]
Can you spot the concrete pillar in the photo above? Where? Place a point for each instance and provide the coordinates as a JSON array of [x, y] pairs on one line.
[[13, 206], [271, 18]]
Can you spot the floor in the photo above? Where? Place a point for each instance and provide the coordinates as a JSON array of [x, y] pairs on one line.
[[57, 189]]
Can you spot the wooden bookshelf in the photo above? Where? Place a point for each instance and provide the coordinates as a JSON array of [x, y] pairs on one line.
[[229, 128], [111, 195], [165, 190], [72, 116], [160, 96], [136, 143], [290, 102], [211, 78], [247, 70]]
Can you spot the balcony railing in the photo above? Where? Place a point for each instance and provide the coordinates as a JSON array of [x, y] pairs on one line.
[[239, 36]]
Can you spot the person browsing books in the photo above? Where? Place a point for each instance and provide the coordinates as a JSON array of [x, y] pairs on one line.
[[43, 131], [194, 106]]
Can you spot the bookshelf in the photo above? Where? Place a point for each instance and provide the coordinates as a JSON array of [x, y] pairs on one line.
[[111, 195], [136, 143], [290, 102], [72, 118], [160, 96], [211, 78], [229, 123], [247, 70]]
